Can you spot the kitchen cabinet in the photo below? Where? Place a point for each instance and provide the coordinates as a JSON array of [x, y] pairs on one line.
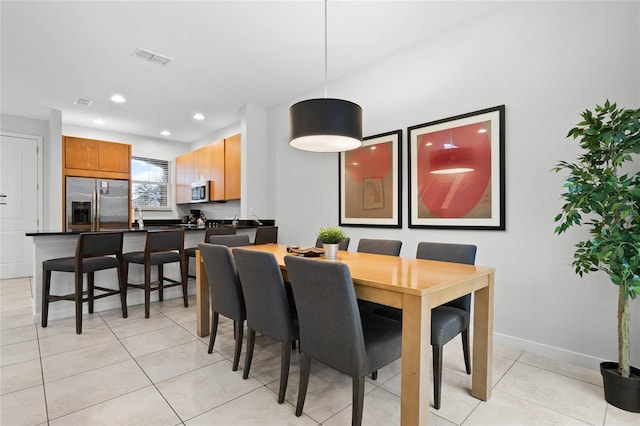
[[95, 158], [219, 162]]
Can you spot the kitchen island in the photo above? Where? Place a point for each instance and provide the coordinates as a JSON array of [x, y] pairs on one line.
[[54, 244]]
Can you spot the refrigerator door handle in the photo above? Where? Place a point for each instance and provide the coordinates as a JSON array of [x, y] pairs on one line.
[[95, 225]]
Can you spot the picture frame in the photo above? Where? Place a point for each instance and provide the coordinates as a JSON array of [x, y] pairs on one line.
[[370, 182], [457, 172]]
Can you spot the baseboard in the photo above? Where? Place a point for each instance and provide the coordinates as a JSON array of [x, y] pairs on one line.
[[552, 352]]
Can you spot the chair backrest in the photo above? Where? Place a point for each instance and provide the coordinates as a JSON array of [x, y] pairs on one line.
[[94, 244], [221, 230], [230, 240], [264, 293], [266, 234], [165, 240], [448, 252], [375, 246], [328, 315], [344, 244], [224, 284]]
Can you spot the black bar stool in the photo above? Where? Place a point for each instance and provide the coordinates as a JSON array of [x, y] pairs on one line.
[[95, 251], [166, 246]]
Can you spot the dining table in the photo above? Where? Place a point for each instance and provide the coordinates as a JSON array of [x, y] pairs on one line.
[[415, 286]]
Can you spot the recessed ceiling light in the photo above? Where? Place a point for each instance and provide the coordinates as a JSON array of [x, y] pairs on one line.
[[118, 98], [198, 116], [98, 121], [165, 133]]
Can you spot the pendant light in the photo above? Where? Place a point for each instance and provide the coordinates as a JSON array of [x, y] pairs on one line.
[[325, 124]]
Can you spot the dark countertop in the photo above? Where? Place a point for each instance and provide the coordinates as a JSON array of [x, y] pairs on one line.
[[154, 225]]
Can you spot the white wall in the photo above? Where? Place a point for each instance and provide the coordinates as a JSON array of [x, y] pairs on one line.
[[546, 62]]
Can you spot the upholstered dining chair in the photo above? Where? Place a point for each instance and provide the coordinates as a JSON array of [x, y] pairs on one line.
[[378, 246], [190, 252], [266, 235], [343, 245], [230, 240], [161, 247], [95, 251], [225, 292], [345, 340], [450, 319], [269, 311]]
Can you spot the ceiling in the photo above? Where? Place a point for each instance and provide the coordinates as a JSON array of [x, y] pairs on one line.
[[226, 54]]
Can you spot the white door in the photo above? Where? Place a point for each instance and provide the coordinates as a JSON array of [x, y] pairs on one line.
[[18, 204]]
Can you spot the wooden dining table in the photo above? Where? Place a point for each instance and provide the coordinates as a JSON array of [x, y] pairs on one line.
[[415, 286]]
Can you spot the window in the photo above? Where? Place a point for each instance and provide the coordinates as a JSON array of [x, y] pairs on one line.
[[149, 183]]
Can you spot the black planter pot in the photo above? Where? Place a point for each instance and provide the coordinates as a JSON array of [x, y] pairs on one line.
[[619, 391]]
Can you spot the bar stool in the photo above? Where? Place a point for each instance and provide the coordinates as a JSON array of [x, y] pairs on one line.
[[266, 235], [219, 230], [95, 251], [161, 247]]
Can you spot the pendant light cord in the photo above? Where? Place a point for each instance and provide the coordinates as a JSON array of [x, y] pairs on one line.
[[325, 48]]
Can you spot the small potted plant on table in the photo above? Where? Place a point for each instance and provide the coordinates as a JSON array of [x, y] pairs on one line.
[[331, 236], [602, 187]]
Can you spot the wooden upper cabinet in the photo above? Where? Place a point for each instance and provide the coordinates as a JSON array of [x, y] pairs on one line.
[[216, 152], [219, 162], [94, 158], [81, 153], [232, 167]]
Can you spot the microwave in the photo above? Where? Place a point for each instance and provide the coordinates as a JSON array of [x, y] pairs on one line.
[[200, 192]]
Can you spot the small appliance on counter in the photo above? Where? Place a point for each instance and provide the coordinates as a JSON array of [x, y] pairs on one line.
[[94, 204]]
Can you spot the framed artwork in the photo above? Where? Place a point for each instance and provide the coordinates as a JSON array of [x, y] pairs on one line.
[[456, 172], [370, 182]]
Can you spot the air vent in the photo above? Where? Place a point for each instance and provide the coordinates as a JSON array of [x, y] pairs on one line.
[[154, 58], [83, 102]]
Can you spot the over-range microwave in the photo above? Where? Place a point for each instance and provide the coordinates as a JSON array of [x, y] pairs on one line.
[[200, 192]]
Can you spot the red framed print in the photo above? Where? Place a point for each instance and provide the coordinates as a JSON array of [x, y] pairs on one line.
[[456, 172], [370, 182]]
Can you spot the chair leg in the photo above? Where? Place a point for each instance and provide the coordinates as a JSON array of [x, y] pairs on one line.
[[161, 282], [465, 349], [437, 375], [358, 401], [122, 285], [374, 375], [90, 277], [213, 331], [79, 278], [285, 361], [184, 272], [147, 289], [46, 286], [238, 349], [251, 341], [305, 369]]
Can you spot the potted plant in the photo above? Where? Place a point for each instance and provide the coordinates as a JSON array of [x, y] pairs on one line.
[[603, 195], [331, 236]]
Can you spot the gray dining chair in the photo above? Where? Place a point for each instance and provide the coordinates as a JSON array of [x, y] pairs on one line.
[[447, 320], [345, 340], [225, 293], [269, 310], [379, 246], [190, 252], [230, 240], [266, 235]]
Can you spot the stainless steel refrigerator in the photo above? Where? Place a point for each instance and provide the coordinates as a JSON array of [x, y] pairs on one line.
[[94, 204]]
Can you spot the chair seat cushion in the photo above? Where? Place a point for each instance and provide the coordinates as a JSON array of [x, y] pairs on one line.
[[446, 323], [190, 252], [68, 264], [156, 258]]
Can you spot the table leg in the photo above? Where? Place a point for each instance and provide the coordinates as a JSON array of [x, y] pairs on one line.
[[416, 351], [482, 341], [202, 298]]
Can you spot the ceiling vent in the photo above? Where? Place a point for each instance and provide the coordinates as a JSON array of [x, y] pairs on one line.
[[83, 102], [154, 58]]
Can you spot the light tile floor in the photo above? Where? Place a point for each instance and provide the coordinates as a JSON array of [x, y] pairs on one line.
[[156, 371]]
